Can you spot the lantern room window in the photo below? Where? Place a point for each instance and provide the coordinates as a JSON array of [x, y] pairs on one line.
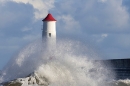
[[49, 34]]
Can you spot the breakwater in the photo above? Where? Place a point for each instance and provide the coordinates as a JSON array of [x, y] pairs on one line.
[[120, 66]]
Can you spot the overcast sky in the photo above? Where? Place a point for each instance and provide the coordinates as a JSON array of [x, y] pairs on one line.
[[104, 23]]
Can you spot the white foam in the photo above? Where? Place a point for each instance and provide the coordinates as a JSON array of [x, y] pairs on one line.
[[69, 64]]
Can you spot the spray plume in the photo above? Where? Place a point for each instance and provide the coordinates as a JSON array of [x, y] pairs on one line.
[[68, 64]]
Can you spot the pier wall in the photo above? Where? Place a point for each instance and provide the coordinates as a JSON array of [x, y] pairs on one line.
[[121, 67]]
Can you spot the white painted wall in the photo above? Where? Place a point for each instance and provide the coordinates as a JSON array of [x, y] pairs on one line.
[[49, 27]]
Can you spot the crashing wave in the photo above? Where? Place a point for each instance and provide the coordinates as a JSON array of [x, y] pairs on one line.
[[70, 64], [125, 82]]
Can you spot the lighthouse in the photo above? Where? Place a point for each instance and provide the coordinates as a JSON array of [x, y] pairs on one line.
[[49, 30]]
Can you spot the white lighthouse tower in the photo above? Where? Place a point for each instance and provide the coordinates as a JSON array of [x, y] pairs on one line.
[[49, 30]]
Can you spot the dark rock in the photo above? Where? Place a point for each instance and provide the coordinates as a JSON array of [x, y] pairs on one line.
[[12, 84]]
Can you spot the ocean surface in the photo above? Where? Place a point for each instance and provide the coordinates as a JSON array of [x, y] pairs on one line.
[[68, 63]]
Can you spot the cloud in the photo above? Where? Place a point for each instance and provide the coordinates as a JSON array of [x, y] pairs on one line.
[[102, 1], [116, 46], [126, 3], [98, 38], [14, 17], [118, 13], [123, 40], [68, 23], [41, 6], [97, 17], [104, 23], [103, 36]]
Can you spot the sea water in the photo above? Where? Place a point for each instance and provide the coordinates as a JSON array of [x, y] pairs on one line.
[[69, 63]]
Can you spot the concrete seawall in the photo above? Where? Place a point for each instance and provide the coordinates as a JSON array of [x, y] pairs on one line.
[[120, 66]]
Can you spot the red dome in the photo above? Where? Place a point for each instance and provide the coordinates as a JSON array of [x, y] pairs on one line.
[[49, 17]]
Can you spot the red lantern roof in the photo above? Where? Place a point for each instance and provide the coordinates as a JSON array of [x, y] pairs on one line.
[[49, 17]]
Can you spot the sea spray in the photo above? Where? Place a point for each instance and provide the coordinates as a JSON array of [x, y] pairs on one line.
[[24, 63], [70, 63]]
